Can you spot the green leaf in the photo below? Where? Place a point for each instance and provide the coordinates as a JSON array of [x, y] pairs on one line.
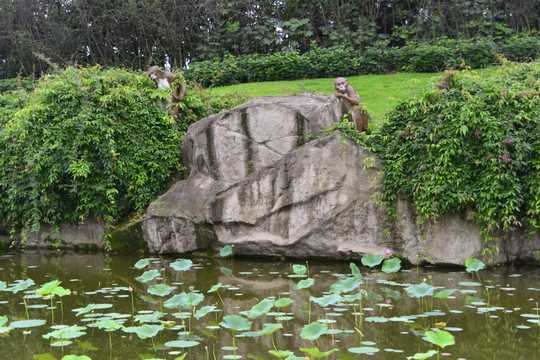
[[346, 285], [182, 343], [313, 331], [363, 350], [47, 289], [317, 353], [372, 260], [422, 356], [214, 288], [3, 285], [142, 263], [443, 294], [326, 300], [227, 250], [283, 302], [147, 331], [160, 290], [184, 300], [440, 338], [60, 291], [304, 284], [355, 271], [23, 324], [473, 265], [299, 269], [182, 265], [391, 265], [22, 285], [420, 290], [281, 353], [269, 329], [76, 357], [148, 275], [203, 311], [108, 325], [236, 323], [264, 306]]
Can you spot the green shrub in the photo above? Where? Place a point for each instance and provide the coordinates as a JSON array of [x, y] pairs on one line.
[[376, 59], [90, 142], [468, 142]]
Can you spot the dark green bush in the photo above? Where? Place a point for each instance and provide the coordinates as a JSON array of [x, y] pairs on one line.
[[377, 59], [470, 141], [90, 142]]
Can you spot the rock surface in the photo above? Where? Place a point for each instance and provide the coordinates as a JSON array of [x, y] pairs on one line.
[[257, 180]]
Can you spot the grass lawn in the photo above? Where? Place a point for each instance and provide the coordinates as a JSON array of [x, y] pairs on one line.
[[378, 92]]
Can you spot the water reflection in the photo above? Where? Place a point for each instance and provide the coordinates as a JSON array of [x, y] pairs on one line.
[[490, 314]]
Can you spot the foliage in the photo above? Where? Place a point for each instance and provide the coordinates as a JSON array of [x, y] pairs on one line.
[[470, 142], [138, 34], [90, 143], [378, 58]]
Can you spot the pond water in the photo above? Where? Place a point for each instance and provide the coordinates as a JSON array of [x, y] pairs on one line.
[[111, 308]]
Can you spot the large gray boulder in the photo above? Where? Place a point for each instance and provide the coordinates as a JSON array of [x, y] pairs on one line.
[[259, 178]]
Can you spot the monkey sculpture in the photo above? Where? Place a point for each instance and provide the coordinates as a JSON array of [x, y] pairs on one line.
[[167, 80], [347, 92]]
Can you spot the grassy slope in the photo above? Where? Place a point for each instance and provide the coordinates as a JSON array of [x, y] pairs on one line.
[[379, 92]]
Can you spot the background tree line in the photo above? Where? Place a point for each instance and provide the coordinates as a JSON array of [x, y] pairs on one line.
[[133, 34]]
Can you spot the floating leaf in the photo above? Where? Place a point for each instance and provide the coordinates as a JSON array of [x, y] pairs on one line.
[[203, 311], [313, 331], [22, 324], [391, 265], [148, 275], [151, 317], [269, 329], [473, 265], [227, 250], [21, 285], [160, 290], [440, 338], [91, 307], [443, 294], [391, 294], [317, 353], [108, 325], [214, 288], [141, 264], [422, 356], [420, 290], [283, 302], [376, 319], [182, 343], [264, 306], [226, 271], [304, 284], [182, 265], [364, 350], [68, 332], [3, 320], [299, 269], [281, 353], [184, 300], [344, 286], [3, 285], [76, 357], [147, 331], [371, 260], [236, 323]]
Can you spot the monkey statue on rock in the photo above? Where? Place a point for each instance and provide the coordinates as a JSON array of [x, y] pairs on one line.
[[347, 92], [167, 80]]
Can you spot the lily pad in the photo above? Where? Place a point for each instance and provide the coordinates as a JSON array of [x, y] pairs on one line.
[[148, 275], [182, 343], [420, 290], [160, 290], [23, 324], [182, 264], [141, 264], [313, 331], [372, 260], [391, 265], [227, 250], [236, 323], [473, 265], [440, 338], [364, 350], [299, 269], [304, 284]]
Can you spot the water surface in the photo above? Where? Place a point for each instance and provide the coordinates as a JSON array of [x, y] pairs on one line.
[[492, 314]]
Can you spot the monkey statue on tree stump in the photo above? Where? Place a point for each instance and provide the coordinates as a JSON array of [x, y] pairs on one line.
[[347, 92], [167, 80]]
